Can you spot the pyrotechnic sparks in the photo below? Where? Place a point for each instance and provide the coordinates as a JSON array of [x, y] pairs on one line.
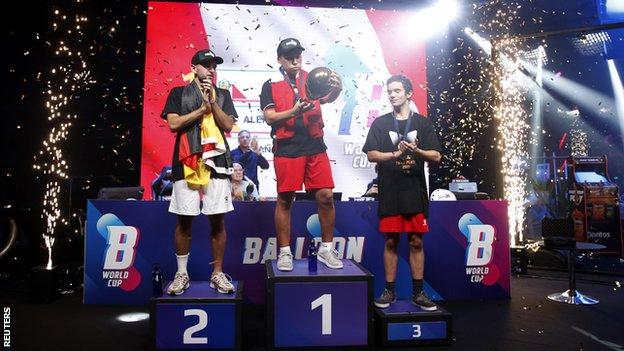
[[514, 131], [513, 122], [510, 89], [479, 93], [62, 81]]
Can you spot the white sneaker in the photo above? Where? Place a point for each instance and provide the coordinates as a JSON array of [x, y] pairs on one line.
[[285, 261], [330, 258], [180, 283], [222, 282]]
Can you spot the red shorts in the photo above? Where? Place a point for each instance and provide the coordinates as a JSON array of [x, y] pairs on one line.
[[314, 171], [404, 224]]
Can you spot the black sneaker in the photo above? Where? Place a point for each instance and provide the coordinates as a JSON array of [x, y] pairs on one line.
[[421, 300], [387, 297]]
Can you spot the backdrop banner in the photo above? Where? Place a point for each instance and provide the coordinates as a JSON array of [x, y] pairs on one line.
[[360, 45], [467, 248]]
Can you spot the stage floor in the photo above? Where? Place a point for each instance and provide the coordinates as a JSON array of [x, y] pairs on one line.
[[529, 321]]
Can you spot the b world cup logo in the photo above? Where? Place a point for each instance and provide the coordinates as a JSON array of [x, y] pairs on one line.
[[479, 251], [121, 240]]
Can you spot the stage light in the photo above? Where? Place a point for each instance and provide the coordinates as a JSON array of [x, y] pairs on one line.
[[618, 93], [482, 42], [536, 57], [615, 6], [592, 44], [433, 20], [541, 61], [579, 145], [486, 45], [133, 317], [448, 9]]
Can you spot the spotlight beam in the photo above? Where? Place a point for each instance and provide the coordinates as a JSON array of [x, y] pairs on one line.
[[536, 123], [581, 95], [618, 92], [597, 99]]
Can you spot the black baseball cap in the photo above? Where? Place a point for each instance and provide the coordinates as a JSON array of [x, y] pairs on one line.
[[287, 45], [206, 56]]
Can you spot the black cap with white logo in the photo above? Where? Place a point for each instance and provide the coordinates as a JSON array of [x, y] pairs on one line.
[[206, 56], [287, 45]]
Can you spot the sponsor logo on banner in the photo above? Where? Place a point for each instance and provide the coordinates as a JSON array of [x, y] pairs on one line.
[[118, 269], [599, 235], [258, 250], [479, 251]]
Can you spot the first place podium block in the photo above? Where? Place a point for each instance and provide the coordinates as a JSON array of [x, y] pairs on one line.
[[330, 308], [199, 319], [405, 324]]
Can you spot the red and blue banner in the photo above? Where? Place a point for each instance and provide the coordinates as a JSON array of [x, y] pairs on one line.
[[467, 249]]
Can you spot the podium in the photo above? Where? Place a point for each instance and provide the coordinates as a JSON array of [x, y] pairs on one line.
[[199, 319], [405, 324], [330, 308]]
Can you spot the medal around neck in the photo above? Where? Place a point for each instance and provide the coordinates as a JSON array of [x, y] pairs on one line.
[[411, 136], [396, 137]]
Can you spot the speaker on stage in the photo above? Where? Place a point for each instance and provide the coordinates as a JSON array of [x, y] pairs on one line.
[[519, 260], [558, 232], [463, 189]]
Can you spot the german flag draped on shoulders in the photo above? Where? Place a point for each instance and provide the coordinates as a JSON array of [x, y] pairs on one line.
[[201, 145]]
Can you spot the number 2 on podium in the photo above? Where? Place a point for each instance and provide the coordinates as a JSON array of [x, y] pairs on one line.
[[188, 337], [326, 312]]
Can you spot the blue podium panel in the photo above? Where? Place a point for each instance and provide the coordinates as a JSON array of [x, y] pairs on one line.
[[405, 324], [328, 308], [201, 318]]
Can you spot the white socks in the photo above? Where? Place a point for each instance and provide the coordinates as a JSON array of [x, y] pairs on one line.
[[326, 246], [285, 249], [182, 261]]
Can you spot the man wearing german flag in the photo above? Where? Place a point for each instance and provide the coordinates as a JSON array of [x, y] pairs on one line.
[[199, 113]]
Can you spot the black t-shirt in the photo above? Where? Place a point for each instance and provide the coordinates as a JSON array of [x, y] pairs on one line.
[[402, 186], [174, 105], [301, 144]]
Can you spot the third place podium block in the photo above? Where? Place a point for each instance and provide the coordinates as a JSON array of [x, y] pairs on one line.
[[199, 319], [405, 324], [330, 308]]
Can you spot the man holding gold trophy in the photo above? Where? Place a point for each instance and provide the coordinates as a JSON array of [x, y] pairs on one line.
[[291, 101]]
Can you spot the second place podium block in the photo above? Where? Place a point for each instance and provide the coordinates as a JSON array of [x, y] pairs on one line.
[[201, 318], [329, 308]]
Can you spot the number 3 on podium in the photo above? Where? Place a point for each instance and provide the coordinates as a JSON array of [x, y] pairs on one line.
[[416, 332]]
